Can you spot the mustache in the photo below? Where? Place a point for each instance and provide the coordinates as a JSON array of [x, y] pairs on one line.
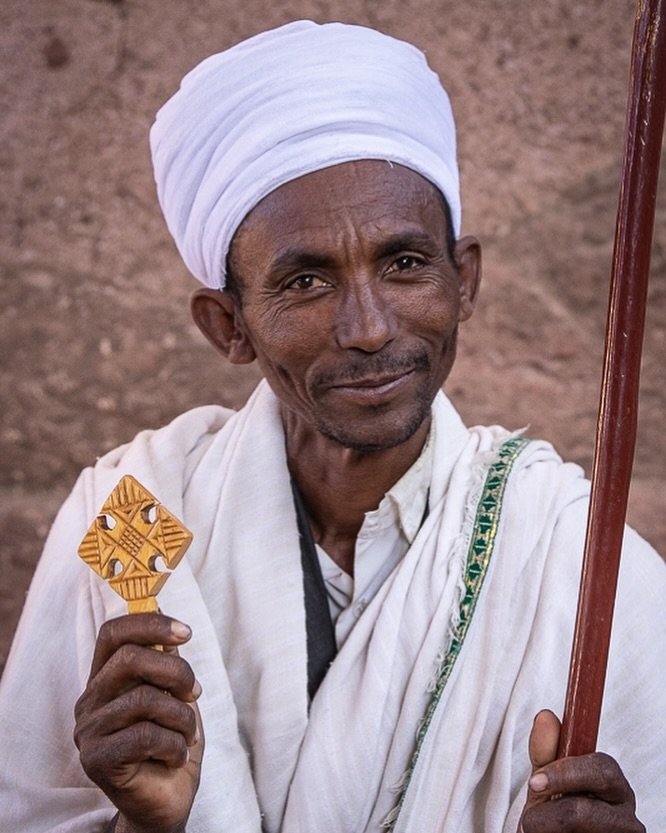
[[373, 365]]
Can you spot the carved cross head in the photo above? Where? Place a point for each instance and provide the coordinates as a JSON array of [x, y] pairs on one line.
[[133, 543]]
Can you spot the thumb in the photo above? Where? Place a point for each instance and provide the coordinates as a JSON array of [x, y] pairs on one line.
[[544, 738], [543, 742]]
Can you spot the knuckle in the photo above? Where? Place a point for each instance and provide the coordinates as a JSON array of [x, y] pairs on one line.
[[151, 740], [89, 762], [189, 721], [141, 699], [82, 720], [570, 813], [128, 651], [126, 656], [608, 767], [144, 735], [186, 674], [106, 630], [179, 673], [177, 749], [612, 778], [110, 631]]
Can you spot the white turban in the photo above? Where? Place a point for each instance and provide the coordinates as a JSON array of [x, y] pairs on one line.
[[283, 104]]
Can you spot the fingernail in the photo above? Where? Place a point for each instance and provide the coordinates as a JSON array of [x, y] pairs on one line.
[[180, 630], [196, 689], [538, 782]]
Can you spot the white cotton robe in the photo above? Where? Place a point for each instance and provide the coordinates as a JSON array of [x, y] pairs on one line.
[[270, 764]]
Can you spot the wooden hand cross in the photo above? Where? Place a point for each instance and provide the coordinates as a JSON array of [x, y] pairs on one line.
[[131, 542]]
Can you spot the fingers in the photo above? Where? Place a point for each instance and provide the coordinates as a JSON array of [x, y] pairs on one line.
[[596, 774], [125, 659], [138, 728], [580, 814], [132, 665], [139, 629], [577, 794], [140, 704], [138, 701], [114, 759], [580, 795]]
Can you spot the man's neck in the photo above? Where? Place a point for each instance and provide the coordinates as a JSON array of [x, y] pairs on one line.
[[339, 485]]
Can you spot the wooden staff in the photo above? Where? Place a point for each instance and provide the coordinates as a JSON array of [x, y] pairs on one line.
[[618, 408]]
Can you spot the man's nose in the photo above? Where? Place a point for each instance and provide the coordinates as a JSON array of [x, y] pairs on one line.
[[366, 320]]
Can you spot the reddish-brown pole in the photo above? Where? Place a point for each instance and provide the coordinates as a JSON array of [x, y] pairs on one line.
[[617, 420]]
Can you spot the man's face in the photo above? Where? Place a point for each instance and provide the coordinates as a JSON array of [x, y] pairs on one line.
[[351, 302]]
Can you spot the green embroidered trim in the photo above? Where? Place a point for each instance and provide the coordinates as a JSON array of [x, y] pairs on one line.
[[482, 542]]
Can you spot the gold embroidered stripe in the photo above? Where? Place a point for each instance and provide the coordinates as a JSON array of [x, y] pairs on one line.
[[481, 546]]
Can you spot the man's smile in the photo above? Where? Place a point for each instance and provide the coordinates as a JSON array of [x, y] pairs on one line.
[[374, 381], [373, 372], [373, 388]]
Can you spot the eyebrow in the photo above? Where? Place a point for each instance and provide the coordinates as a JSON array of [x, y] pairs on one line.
[[301, 258], [406, 241]]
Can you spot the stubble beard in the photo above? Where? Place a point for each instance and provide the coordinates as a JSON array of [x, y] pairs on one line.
[[391, 437], [397, 432]]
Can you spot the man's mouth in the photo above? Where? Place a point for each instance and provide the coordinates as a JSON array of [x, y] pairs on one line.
[[373, 390], [374, 381], [375, 372]]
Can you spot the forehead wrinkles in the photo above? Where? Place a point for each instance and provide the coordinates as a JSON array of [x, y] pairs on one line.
[[337, 206], [345, 238]]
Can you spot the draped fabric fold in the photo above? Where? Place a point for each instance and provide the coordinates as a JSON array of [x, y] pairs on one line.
[[268, 765]]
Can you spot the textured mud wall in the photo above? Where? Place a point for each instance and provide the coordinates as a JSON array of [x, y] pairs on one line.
[[94, 332]]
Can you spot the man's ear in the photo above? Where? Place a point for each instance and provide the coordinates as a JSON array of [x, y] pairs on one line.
[[468, 262], [218, 316]]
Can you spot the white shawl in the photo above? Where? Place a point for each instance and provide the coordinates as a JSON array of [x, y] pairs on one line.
[[268, 765]]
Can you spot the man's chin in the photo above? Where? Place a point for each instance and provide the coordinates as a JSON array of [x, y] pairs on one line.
[[375, 434]]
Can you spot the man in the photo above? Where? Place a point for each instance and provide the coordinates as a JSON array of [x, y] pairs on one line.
[[379, 601]]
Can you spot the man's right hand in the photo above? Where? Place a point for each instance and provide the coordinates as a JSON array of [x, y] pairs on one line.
[[583, 793], [138, 728]]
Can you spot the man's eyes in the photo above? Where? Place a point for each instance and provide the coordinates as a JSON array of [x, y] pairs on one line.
[[306, 282], [406, 262]]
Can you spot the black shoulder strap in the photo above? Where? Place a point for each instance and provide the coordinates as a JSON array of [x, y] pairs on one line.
[[320, 633]]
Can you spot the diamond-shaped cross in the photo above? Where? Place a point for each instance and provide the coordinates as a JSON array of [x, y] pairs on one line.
[[133, 542]]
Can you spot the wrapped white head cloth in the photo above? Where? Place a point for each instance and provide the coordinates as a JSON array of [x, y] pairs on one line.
[[283, 104]]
